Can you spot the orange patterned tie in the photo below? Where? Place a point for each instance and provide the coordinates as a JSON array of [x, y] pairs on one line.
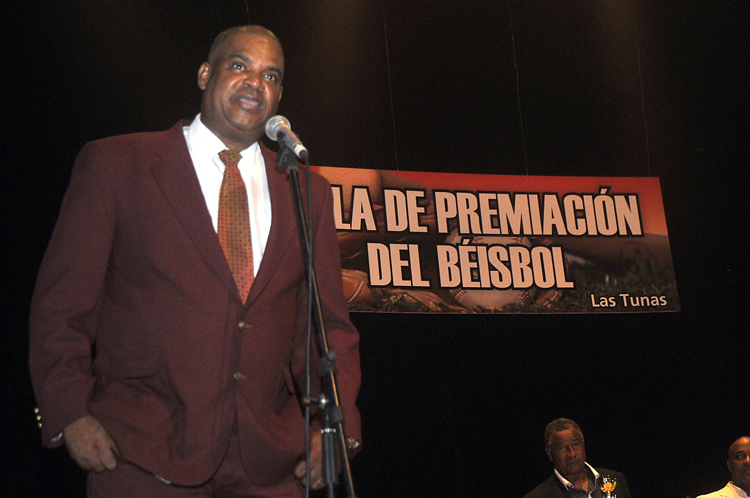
[[234, 223]]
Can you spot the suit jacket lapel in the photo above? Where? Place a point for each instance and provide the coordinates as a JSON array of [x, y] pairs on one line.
[[557, 488], [175, 174], [176, 177]]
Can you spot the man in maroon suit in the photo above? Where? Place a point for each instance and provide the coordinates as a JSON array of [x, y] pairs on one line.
[[146, 360]]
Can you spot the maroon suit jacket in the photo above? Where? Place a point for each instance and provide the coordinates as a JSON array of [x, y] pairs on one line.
[[135, 271]]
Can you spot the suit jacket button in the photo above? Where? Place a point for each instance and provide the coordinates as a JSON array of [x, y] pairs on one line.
[[237, 376], [241, 324]]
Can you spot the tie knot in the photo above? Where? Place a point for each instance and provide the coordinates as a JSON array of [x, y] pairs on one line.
[[230, 157]]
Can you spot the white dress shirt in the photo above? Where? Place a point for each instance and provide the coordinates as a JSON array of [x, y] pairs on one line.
[[204, 149], [569, 485]]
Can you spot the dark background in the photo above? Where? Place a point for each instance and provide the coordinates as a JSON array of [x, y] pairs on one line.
[[453, 406]]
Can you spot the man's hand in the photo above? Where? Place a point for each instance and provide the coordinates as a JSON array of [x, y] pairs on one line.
[[316, 464], [90, 445]]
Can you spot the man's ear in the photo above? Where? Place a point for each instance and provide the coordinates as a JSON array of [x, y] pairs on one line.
[[204, 72], [549, 454]]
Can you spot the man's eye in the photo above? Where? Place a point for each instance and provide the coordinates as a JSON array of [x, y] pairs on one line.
[[271, 77], [237, 66]]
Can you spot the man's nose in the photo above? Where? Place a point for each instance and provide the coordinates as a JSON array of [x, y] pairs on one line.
[[254, 80]]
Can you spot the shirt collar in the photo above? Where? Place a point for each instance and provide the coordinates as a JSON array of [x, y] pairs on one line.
[[567, 483], [205, 146], [740, 492]]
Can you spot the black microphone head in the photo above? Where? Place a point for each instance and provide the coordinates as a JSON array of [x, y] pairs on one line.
[[273, 124]]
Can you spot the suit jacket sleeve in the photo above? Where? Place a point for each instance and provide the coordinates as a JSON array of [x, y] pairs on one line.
[[624, 487], [343, 337], [67, 297], [725, 492]]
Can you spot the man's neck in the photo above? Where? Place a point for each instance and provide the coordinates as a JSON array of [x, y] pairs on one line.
[[743, 487], [580, 480]]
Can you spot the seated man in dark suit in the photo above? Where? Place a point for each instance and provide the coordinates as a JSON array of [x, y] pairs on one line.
[[572, 476]]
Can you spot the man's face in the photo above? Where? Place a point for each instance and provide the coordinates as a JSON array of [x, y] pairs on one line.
[[567, 452], [738, 461], [242, 88]]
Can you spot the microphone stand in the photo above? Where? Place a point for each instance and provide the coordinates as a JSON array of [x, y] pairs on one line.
[[332, 433]]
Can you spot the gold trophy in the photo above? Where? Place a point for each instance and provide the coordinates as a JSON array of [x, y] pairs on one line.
[[607, 486]]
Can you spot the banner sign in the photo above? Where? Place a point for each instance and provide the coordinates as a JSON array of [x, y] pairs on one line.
[[464, 243]]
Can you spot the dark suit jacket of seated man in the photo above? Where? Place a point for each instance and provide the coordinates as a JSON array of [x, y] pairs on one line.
[[554, 488]]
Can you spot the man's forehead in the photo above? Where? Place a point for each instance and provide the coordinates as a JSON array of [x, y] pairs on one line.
[[252, 37], [241, 41], [567, 434], [741, 446]]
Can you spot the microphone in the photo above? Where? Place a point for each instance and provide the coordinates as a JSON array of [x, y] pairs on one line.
[[279, 130]]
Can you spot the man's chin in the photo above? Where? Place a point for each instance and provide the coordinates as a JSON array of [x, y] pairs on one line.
[[575, 469], [255, 127]]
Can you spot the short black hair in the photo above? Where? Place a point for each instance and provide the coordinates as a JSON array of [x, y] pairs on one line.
[[557, 425]]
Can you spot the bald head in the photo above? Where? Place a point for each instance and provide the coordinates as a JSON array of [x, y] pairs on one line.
[[738, 462], [220, 43]]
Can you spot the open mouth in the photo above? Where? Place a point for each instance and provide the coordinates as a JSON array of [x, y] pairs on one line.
[[248, 102]]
